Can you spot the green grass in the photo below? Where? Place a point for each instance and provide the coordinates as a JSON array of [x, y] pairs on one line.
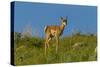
[[31, 50]]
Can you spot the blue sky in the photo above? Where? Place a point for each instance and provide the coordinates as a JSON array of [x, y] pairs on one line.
[[38, 15]]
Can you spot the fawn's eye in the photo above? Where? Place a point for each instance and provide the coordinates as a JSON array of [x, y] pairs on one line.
[[64, 20]]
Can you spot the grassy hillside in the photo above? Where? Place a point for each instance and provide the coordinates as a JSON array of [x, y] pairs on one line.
[[76, 48]]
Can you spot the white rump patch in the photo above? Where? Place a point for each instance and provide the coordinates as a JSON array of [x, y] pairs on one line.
[[45, 28]]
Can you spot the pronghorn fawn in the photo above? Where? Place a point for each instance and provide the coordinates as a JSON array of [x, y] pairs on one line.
[[54, 31]]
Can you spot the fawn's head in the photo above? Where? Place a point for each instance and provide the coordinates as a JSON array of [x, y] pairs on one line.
[[64, 21]]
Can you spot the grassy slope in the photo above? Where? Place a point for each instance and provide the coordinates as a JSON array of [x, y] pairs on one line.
[[31, 51]]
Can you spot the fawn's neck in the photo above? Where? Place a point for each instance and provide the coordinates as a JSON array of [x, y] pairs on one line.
[[62, 26]]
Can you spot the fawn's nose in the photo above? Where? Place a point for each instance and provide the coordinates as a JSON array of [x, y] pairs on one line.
[[64, 23]]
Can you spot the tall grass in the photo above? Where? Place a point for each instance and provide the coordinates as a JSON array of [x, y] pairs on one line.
[[31, 50]]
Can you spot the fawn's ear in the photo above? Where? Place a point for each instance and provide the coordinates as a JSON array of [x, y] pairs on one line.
[[66, 17]]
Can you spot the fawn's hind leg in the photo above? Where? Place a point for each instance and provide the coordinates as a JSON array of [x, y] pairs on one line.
[[47, 43]]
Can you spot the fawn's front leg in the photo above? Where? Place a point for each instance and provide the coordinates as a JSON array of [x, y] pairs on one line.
[[57, 45]]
